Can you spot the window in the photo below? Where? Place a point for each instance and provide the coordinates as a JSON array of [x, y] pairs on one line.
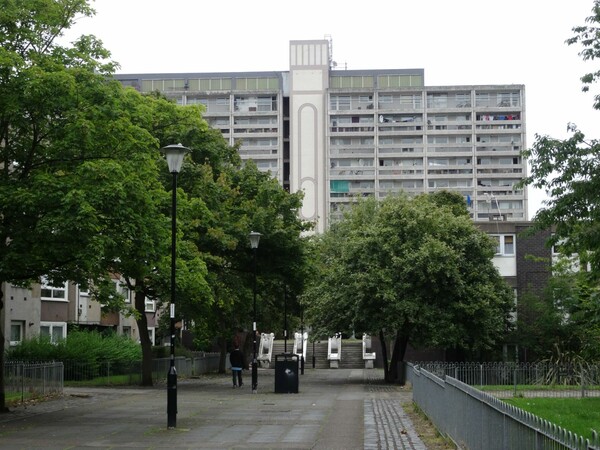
[[438, 162], [163, 85], [413, 101], [510, 204], [340, 102], [56, 293], [339, 186], [508, 99], [252, 84], [482, 99], [463, 100], [557, 247], [437, 139], [505, 244], [266, 104], [149, 305], [389, 81], [83, 292], [196, 101], [16, 332], [437, 100], [124, 291], [55, 331], [351, 81], [152, 335], [209, 84]]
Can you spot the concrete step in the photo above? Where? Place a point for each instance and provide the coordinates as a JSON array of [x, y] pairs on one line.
[[351, 354]]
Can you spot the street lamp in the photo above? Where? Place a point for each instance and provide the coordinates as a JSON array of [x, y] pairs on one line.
[[285, 319], [174, 154], [254, 240]]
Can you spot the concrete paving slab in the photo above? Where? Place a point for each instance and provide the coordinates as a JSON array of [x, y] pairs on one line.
[[334, 409]]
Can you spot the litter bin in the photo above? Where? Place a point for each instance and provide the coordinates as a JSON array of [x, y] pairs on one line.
[[286, 373]]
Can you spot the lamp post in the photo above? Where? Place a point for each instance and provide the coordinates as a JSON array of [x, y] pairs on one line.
[[302, 333], [174, 154], [285, 330], [254, 240]]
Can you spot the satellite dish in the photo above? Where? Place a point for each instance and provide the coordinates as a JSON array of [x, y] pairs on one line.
[[380, 119]]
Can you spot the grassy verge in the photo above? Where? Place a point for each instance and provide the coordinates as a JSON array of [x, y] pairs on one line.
[[430, 436], [14, 399], [113, 380], [578, 415], [533, 387]]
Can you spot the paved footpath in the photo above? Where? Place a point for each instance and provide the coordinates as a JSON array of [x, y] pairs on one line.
[[334, 409]]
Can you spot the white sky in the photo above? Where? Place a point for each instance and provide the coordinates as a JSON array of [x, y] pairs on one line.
[[457, 42]]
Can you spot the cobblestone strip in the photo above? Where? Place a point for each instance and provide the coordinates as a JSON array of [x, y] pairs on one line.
[[388, 427]]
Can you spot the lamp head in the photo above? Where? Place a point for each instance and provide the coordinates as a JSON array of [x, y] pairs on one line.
[[175, 154], [254, 239]]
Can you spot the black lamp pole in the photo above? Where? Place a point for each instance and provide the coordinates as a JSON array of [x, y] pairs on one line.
[[285, 327], [175, 154], [254, 240], [302, 332]]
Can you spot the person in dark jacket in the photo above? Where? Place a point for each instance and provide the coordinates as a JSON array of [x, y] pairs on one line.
[[238, 362]]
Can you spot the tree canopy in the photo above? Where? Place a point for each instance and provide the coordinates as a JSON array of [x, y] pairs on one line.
[[417, 268], [569, 172], [84, 189], [588, 37]]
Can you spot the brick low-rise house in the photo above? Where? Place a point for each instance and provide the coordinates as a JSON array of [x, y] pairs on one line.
[[53, 310]]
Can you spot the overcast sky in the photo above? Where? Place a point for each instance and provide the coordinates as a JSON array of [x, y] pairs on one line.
[[456, 42]]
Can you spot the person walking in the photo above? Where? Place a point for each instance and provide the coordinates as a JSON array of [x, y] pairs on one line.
[[238, 362]]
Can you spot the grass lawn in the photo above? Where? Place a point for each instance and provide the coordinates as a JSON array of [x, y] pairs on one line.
[[533, 387], [113, 380], [16, 398], [578, 415]]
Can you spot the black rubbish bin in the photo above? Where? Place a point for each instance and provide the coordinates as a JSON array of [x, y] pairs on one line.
[[286, 373]]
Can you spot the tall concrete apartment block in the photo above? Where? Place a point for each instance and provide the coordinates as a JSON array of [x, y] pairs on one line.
[[342, 134]]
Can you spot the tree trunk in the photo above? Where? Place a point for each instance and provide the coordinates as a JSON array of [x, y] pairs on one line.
[[384, 356], [3, 407], [142, 323], [400, 344]]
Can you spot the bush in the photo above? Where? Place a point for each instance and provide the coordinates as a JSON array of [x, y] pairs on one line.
[[36, 349], [83, 346]]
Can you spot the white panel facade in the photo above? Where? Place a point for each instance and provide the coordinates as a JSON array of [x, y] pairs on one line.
[[309, 74]]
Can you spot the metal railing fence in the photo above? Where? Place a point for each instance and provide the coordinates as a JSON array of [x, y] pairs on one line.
[[523, 379], [476, 420], [129, 372], [26, 380], [43, 378]]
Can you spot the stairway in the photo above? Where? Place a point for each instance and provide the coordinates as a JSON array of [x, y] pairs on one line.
[[351, 354]]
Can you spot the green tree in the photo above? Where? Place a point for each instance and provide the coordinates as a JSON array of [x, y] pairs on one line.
[[72, 162], [575, 296], [416, 269], [567, 170], [588, 37], [564, 320], [237, 199], [142, 257]]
